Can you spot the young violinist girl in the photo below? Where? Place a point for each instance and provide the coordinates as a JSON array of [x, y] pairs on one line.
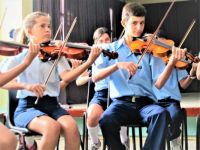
[[8, 140], [46, 117]]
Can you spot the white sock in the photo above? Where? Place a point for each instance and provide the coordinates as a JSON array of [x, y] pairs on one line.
[[123, 134], [93, 133]]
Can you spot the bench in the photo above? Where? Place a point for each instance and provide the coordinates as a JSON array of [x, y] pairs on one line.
[[191, 103]]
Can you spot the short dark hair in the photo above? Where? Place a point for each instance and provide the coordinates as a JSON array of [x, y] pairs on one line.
[[133, 9]]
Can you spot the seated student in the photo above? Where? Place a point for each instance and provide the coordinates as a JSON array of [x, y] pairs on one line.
[[99, 102], [8, 140], [130, 87], [46, 117], [168, 94]]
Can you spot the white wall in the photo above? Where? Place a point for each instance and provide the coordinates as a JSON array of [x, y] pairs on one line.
[[14, 11]]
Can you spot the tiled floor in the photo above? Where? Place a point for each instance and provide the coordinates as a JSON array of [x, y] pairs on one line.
[[191, 143]]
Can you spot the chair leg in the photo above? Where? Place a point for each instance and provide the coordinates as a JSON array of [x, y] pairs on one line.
[[86, 133], [22, 142], [198, 134], [84, 126], [184, 129], [140, 137], [168, 145], [133, 138]]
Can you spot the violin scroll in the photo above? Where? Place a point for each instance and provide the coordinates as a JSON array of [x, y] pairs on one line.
[[111, 55]]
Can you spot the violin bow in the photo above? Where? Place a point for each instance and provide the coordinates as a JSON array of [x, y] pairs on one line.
[[122, 33], [187, 33], [111, 23], [155, 33], [59, 29], [59, 55], [4, 14]]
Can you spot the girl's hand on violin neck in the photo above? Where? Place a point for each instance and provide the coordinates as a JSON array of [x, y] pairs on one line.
[[33, 51], [177, 54], [94, 53], [58, 43], [37, 89], [129, 66]]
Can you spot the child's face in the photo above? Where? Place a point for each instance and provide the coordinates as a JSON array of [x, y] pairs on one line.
[[41, 31], [134, 26], [105, 38]]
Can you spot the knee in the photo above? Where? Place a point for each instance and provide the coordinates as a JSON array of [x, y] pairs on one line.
[[52, 128], [70, 126], [8, 142], [92, 120], [164, 116], [106, 122]]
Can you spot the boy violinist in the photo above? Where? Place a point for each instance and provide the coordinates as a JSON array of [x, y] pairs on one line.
[[132, 98], [46, 117]]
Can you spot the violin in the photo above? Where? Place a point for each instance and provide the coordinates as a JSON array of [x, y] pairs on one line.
[[72, 50], [161, 47], [11, 48]]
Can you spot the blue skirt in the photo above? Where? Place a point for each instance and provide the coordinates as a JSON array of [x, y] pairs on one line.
[[27, 110]]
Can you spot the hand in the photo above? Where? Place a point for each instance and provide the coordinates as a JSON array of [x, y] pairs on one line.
[[177, 54], [129, 66], [58, 43], [33, 51], [193, 70], [75, 63], [95, 52], [37, 89]]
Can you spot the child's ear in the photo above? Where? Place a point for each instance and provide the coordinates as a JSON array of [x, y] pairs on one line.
[[123, 23]]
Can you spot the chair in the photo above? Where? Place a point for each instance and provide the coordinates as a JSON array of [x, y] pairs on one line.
[[184, 135], [198, 134], [21, 132], [74, 95]]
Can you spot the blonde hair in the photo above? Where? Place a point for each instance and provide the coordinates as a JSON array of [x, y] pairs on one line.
[[28, 23]]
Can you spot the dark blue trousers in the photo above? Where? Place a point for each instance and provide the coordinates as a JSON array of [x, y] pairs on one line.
[[122, 112], [176, 115]]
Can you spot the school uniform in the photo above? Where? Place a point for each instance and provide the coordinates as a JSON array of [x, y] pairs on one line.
[[126, 110], [169, 96], [37, 72], [101, 91]]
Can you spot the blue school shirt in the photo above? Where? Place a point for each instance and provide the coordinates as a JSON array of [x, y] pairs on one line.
[[171, 87], [37, 72], [102, 84], [120, 85]]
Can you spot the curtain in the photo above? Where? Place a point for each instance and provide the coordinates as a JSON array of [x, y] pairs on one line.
[[175, 26], [90, 14]]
